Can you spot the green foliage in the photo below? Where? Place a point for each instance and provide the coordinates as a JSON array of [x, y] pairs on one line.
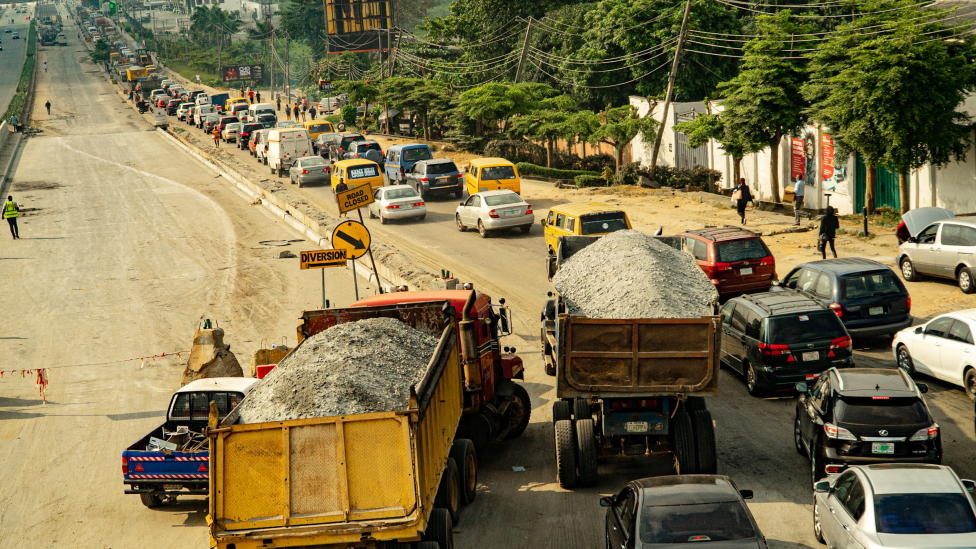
[[679, 178], [517, 151], [489, 104], [629, 174], [583, 181], [620, 126], [712, 126], [527, 169], [595, 162], [101, 51], [417, 96], [305, 20], [349, 115]]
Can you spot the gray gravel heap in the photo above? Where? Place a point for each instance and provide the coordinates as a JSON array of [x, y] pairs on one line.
[[351, 368], [628, 274]]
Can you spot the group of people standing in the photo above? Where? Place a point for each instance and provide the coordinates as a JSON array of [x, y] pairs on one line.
[[742, 196]]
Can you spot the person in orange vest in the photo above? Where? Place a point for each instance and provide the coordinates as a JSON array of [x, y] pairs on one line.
[[216, 134]]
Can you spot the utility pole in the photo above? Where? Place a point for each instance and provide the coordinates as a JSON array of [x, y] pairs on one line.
[[525, 50], [271, 61], [393, 58], [287, 64], [667, 96]]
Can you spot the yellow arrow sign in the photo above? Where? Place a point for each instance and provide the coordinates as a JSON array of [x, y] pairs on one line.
[[353, 237]]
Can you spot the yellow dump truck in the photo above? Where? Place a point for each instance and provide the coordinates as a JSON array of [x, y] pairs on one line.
[[376, 480]]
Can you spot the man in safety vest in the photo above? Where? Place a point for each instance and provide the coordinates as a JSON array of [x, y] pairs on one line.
[[10, 212]]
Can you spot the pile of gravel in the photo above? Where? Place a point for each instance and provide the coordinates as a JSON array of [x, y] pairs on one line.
[[628, 274], [351, 368]]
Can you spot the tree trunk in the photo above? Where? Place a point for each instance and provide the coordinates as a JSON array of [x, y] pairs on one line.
[[903, 191], [386, 109], [584, 148], [548, 153], [426, 126], [871, 187], [736, 170], [618, 155], [774, 150]]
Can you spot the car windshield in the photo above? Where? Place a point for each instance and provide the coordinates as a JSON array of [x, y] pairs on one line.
[[740, 250], [359, 172], [869, 285], [368, 146], [416, 154], [923, 514], [881, 411], [492, 173], [725, 521], [602, 223], [406, 192], [314, 161], [441, 168], [803, 327], [503, 199]]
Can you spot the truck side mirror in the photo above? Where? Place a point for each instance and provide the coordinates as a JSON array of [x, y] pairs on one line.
[[922, 387], [606, 501], [504, 321], [746, 494]]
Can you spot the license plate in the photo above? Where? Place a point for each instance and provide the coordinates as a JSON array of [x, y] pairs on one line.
[[512, 213], [811, 355], [876, 311], [746, 271], [882, 447], [636, 426], [171, 487], [444, 181]]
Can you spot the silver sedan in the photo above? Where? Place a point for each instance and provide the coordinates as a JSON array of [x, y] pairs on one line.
[[310, 170], [494, 210], [397, 202]]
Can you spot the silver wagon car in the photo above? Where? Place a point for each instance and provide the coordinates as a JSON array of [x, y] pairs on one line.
[[310, 170], [397, 202], [945, 248], [493, 210]]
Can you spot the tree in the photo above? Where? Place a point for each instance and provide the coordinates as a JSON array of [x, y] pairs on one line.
[[619, 126], [763, 102], [418, 96], [363, 93], [101, 51], [491, 103], [579, 127], [712, 126], [304, 20], [892, 93]]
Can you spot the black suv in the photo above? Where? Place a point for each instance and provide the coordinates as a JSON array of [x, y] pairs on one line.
[[862, 416], [778, 339], [867, 296], [340, 144]]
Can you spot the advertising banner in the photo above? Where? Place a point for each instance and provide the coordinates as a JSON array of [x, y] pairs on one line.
[[243, 72], [798, 161]]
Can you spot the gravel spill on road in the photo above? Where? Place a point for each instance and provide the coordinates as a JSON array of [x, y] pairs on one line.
[[628, 274], [351, 368]]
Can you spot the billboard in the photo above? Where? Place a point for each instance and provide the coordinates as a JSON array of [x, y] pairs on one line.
[[242, 72], [355, 16]]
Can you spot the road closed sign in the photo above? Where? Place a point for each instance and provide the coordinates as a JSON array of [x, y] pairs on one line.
[[354, 198], [321, 259]]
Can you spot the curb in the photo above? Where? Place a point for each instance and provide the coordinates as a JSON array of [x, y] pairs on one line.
[[14, 144]]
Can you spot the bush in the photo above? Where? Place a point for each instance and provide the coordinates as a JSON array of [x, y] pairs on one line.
[[595, 163], [349, 115], [526, 168], [516, 151], [702, 177], [629, 174], [590, 181]]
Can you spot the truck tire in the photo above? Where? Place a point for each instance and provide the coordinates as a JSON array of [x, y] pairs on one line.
[[519, 412], [449, 492], [466, 458], [565, 454], [682, 439], [561, 410], [695, 404], [477, 428], [586, 439], [151, 500], [581, 409], [701, 422], [440, 529]]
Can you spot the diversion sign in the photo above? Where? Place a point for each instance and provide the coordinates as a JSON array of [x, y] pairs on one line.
[[321, 259]]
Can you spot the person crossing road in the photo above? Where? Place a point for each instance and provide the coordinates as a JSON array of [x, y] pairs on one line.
[[48, 105], [10, 213]]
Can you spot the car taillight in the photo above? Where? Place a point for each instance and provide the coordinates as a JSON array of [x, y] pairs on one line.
[[840, 342], [303, 171], [908, 304], [418, 203], [838, 433], [326, 169], [774, 349], [340, 150], [528, 211], [425, 180], [492, 214], [125, 465], [393, 207], [245, 134], [928, 433], [834, 468], [767, 261], [837, 309]]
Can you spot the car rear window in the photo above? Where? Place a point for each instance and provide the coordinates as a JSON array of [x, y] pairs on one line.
[[801, 327], [359, 172], [313, 161], [319, 128], [741, 250], [369, 146], [416, 154], [492, 173], [881, 411], [503, 199], [601, 223], [404, 192], [442, 168], [695, 523], [196, 406], [869, 285], [923, 514]]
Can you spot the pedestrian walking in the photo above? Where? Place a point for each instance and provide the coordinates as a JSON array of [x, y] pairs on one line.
[[48, 105], [258, 94], [742, 195], [340, 187], [242, 90], [10, 213], [287, 112], [250, 96], [311, 111], [828, 231], [13, 122], [45, 66], [216, 134], [797, 201], [295, 110]]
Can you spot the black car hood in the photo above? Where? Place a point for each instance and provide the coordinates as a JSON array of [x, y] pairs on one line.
[[737, 544]]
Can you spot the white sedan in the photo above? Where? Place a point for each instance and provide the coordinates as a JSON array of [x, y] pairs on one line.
[[942, 348], [493, 210]]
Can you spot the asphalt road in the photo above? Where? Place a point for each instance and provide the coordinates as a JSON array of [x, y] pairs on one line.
[[12, 56]]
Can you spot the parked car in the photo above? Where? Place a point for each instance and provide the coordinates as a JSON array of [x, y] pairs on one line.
[[210, 121], [230, 132], [244, 138], [942, 348], [776, 340], [582, 218], [440, 176], [309, 170], [895, 505], [183, 110], [944, 249], [681, 511], [736, 260], [858, 416], [494, 210], [397, 202], [865, 294], [358, 149], [321, 143], [401, 158], [229, 119], [340, 144]]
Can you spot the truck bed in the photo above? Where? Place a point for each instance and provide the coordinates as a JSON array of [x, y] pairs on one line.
[[148, 468]]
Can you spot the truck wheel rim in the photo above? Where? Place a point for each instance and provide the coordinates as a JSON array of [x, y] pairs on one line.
[[471, 472]]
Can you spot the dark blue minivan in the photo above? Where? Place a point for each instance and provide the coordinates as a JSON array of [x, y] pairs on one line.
[[401, 158]]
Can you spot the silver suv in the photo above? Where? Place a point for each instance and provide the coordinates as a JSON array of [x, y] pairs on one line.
[[946, 249]]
